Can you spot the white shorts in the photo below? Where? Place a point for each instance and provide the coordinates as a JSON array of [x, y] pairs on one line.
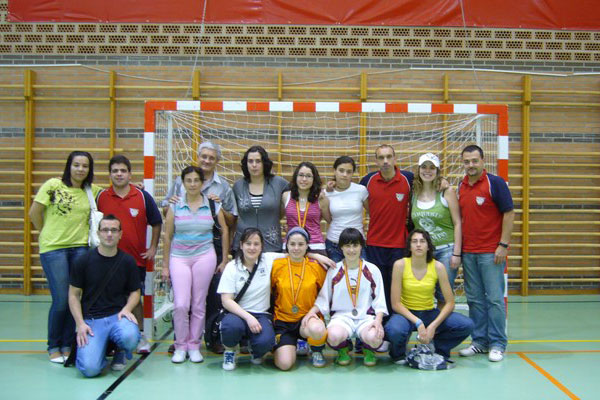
[[353, 326]]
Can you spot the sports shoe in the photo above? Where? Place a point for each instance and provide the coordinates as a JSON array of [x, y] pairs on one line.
[[57, 358], [302, 348], [318, 360], [384, 348], [228, 360], [118, 362], [256, 360], [178, 356], [143, 346], [369, 358], [471, 351], [400, 361], [496, 355], [195, 356], [343, 358]]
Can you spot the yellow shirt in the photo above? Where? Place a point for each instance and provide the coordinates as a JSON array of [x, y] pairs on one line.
[[418, 294], [314, 276], [66, 217]]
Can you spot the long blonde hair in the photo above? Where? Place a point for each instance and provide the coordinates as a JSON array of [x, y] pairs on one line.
[[418, 182]]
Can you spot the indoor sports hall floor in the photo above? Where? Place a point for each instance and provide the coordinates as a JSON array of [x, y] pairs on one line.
[[554, 353]]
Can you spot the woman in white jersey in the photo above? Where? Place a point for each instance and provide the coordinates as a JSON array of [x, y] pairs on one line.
[[346, 203]]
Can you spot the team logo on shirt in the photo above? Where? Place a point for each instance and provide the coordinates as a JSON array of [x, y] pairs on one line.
[[480, 200], [134, 212], [399, 196]]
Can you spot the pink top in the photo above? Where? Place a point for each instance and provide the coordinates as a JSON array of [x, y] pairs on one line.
[[313, 219]]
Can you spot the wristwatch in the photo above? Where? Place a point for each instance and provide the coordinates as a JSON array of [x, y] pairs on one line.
[[505, 245]]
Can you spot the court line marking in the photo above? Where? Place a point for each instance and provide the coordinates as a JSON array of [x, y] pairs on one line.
[[542, 371]]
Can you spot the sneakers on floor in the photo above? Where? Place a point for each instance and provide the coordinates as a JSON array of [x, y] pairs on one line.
[[178, 356], [369, 358], [471, 351], [256, 360], [318, 360], [143, 346], [302, 348], [119, 362], [57, 358], [228, 360], [343, 358], [496, 355], [400, 361], [384, 348], [195, 356]]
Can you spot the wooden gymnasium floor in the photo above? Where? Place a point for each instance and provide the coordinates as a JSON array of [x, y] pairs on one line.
[[554, 353]]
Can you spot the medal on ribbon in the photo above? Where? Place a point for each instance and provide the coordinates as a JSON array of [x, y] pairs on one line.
[[302, 222], [353, 293], [295, 293]]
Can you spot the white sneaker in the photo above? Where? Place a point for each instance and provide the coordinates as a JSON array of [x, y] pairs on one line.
[[256, 360], [496, 355], [195, 356], [471, 351], [228, 360], [178, 356], [302, 348], [143, 346], [318, 360], [384, 348]]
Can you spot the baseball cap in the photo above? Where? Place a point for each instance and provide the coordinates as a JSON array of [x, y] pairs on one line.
[[432, 158]]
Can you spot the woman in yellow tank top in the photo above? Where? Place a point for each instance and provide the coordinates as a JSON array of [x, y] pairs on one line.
[[412, 297]]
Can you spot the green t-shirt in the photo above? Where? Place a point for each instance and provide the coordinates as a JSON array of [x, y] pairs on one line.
[[436, 220], [66, 218]]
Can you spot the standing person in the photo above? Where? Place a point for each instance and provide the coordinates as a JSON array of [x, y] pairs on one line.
[[414, 280], [353, 296], [389, 198], [436, 211], [488, 214], [305, 204], [61, 212], [296, 281], [258, 196], [346, 203], [105, 287], [190, 261], [136, 209]]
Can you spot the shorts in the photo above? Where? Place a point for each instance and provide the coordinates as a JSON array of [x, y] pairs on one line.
[[142, 275], [354, 327], [286, 333]]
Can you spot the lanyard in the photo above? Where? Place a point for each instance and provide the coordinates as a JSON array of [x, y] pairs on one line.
[[303, 222], [353, 296], [295, 293]]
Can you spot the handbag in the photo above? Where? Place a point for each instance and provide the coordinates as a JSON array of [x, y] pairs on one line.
[[212, 332], [73, 355], [94, 221]]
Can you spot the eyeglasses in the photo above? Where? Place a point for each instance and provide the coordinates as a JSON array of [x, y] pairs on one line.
[[111, 230], [307, 176]]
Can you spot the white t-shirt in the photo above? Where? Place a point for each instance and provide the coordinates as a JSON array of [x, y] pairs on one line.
[[346, 210], [257, 298], [336, 299]]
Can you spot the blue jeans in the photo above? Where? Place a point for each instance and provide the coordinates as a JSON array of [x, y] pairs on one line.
[[91, 358], [57, 265], [444, 255], [234, 329], [449, 334], [384, 258], [335, 253], [484, 287]]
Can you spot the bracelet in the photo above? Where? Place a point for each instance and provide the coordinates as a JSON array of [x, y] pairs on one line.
[[418, 323], [505, 245], [457, 255]]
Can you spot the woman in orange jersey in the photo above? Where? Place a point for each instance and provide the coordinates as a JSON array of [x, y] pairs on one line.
[[296, 281]]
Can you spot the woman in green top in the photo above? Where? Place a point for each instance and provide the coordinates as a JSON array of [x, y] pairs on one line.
[[60, 212], [436, 211]]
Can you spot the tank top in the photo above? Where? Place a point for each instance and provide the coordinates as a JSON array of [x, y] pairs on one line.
[[437, 220], [418, 294], [313, 219]]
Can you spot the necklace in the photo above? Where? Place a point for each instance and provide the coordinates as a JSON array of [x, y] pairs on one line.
[[295, 293], [353, 293]]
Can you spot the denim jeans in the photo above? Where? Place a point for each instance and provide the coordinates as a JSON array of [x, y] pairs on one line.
[[484, 287], [57, 265], [234, 329], [91, 358], [444, 255], [336, 254], [449, 334]]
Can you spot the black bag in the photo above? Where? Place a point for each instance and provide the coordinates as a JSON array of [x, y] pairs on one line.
[[212, 330], [73, 355]]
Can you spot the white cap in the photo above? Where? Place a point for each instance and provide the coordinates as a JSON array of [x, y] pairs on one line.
[[432, 158]]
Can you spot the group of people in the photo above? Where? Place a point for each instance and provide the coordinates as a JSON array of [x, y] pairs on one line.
[[306, 290]]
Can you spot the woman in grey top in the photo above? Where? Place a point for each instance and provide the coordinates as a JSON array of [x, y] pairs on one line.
[[258, 197]]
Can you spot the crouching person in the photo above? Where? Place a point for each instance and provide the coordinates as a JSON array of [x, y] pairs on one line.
[[103, 291]]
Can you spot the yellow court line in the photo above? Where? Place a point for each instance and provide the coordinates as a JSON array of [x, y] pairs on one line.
[[549, 377]]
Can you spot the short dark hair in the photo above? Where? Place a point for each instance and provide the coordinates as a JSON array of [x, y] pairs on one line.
[[315, 189], [427, 237], [472, 147], [344, 160], [192, 168], [66, 177], [119, 159], [266, 161], [351, 236], [245, 236], [109, 217]]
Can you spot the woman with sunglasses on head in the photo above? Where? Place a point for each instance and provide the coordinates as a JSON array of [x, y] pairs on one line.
[[61, 213]]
